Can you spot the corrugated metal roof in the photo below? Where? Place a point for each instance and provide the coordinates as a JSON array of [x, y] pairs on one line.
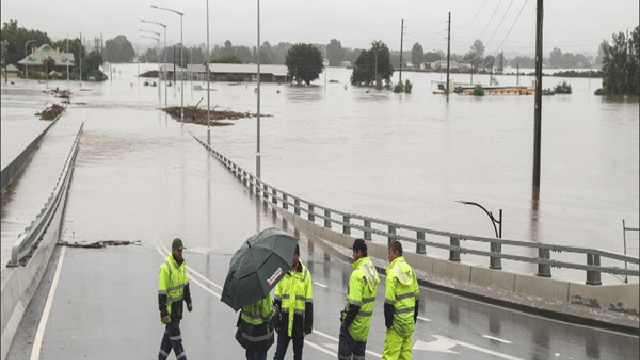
[[274, 69], [170, 68], [46, 52], [197, 68], [12, 68]]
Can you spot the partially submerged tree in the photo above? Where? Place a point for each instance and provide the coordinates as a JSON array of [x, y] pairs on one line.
[[304, 63], [364, 70]]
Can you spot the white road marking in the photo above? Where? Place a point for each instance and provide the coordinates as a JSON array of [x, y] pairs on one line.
[[336, 340], [444, 344], [424, 319], [321, 285], [37, 342], [320, 348], [496, 339]]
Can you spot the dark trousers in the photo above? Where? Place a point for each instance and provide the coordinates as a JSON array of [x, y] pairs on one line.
[[349, 348], [172, 340], [255, 356], [283, 345]]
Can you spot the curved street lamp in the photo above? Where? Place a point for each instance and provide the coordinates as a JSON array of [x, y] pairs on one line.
[[181, 74], [158, 40], [495, 247], [164, 51]]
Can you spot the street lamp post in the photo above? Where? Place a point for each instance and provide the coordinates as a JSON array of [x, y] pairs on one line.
[[164, 51], [181, 74], [26, 54], [208, 80], [158, 35], [258, 114], [495, 247]]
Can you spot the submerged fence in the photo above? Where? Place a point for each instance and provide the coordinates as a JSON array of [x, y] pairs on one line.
[[393, 231]]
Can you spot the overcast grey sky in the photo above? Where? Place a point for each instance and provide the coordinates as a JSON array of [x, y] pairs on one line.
[[573, 25]]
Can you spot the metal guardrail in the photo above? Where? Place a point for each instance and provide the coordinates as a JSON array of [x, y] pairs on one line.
[[14, 166], [27, 242], [370, 225]]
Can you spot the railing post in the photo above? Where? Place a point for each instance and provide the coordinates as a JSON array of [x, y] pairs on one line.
[[543, 269], [265, 192], [296, 207], [367, 234], [392, 231], [454, 255], [421, 248], [346, 227], [285, 201], [327, 218], [274, 196], [311, 216], [594, 277], [495, 261], [250, 182]]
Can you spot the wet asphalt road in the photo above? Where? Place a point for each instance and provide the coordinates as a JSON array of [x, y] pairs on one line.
[[149, 180]]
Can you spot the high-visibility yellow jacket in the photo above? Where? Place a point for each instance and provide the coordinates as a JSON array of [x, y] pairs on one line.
[[363, 287], [255, 326], [294, 296], [173, 288], [401, 297]]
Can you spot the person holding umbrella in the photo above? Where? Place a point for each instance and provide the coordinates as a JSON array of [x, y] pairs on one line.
[[356, 317], [294, 298], [254, 271], [173, 289]]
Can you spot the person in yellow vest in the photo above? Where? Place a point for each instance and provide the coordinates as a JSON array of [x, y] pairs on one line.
[[294, 298], [255, 328], [356, 318], [173, 289], [400, 306]]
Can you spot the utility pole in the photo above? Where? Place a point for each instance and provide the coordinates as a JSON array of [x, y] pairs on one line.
[[80, 56], [208, 82], [448, 53], [67, 55], [518, 74], [376, 67], [401, 41], [471, 74], [258, 114], [537, 110]]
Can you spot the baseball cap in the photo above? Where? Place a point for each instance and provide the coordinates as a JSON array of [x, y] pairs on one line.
[[359, 244], [177, 244]]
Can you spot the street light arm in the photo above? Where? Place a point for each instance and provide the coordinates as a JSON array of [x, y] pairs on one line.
[[165, 9], [489, 214], [153, 22]]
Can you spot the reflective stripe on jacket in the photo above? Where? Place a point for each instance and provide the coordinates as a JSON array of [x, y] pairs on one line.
[[401, 292], [295, 293], [255, 326], [363, 287], [172, 281]]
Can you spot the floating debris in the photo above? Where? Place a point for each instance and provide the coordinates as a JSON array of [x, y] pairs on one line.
[[50, 112], [99, 244], [198, 115]]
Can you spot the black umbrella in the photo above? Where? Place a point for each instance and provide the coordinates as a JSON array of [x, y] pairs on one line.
[[257, 267]]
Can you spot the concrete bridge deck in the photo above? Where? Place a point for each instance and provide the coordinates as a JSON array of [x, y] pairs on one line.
[[148, 180]]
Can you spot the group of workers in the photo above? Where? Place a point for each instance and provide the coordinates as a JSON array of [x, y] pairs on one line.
[[290, 312]]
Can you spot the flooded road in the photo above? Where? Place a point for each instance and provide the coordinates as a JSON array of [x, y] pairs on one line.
[[139, 175], [400, 157]]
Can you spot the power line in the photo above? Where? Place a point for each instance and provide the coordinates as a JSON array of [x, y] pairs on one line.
[[492, 16], [485, 1], [503, 17]]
